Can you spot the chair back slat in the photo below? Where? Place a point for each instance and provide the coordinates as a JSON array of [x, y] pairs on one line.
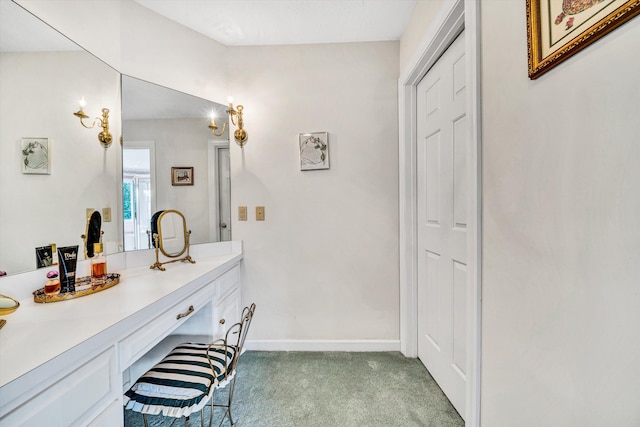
[[240, 330]]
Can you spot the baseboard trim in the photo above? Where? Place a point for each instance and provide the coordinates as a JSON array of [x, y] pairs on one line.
[[323, 345]]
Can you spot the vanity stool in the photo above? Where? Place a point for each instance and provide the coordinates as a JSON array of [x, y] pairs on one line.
[[185, 380]]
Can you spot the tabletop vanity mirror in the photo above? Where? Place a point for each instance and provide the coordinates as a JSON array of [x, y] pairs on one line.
[[93, 233], [171, 238]]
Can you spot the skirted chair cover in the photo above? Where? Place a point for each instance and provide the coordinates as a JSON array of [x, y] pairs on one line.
[[183, 382]]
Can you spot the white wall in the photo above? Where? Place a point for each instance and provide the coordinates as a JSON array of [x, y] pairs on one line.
[[561, 202], [36, 210], [324, 264], [179, 143], [421, 18]]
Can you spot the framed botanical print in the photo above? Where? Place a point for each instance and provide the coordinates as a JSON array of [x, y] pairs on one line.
[[557, 29], [36, 156], [314, 151]]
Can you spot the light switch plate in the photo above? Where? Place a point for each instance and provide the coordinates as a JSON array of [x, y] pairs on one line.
[[259, 213], [106, 214], [242, 213]]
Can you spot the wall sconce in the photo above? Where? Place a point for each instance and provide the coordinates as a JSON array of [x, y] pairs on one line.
[[104, 137], [235, 115]]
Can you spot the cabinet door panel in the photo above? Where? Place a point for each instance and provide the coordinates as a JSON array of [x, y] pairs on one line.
[[67, 402], [227, 312]]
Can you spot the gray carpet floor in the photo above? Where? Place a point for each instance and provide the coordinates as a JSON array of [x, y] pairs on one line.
[[309, 389]]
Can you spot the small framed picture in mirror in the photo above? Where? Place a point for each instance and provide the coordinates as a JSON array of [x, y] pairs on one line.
[[44, 256], [36, 156], [181, 175]]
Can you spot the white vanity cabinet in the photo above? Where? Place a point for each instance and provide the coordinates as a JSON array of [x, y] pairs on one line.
[[228, 306], [72, 396], [67, 363]]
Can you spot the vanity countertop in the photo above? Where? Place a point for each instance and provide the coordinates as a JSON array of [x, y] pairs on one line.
[[37, 333]]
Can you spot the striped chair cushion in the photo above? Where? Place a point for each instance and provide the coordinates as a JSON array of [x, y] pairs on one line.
[[181, 383]]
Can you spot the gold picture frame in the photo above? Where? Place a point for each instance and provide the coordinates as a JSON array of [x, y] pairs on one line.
[[181, 175], [557, 29]]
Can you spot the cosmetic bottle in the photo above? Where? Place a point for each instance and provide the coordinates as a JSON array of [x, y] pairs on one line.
[[52, 287], [67, 260], [98, 266]]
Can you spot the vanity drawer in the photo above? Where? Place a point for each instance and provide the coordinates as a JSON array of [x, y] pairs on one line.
[[143, 339], [226, 283], [70, 401]]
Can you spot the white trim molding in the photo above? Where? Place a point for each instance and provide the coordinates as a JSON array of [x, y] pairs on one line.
[[214, 187], [453, 18], [323, 345]]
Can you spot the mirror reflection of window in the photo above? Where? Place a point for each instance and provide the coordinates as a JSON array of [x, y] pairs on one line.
[[138, 198]]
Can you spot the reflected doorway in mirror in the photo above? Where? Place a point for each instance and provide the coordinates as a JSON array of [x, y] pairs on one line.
[[138, 192], [181, 175]]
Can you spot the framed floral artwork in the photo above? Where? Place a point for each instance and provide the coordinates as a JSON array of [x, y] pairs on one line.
[[557, 29], [314, 151], [36, 156]]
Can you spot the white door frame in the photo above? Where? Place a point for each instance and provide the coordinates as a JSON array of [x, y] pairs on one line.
[[214, 202], [151, 146], [454, 17]]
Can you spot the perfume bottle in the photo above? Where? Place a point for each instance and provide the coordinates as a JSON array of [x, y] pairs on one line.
[[52, 287], [98, 266]]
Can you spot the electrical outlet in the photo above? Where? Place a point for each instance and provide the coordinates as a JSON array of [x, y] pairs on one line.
[[242, 213], [106, 214], [259, 213]]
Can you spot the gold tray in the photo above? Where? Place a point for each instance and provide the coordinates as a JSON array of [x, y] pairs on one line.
[[8, 305], [112, 280]]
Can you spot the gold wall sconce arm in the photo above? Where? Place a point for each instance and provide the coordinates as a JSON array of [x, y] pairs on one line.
[[214, 127], [104, 136], [235, 116]]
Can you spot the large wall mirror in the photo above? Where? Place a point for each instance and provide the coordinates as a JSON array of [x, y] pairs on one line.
[[171, 160], [42, 77]]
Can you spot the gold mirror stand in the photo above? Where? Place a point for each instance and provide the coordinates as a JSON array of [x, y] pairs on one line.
[[159, 265]]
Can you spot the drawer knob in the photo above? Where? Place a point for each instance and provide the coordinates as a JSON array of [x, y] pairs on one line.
[[181, 315], [222, 321]]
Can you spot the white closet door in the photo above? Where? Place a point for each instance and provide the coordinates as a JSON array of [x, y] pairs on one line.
[[442, 222]]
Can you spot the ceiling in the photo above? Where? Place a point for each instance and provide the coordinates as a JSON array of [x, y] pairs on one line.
[[275, 22]]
